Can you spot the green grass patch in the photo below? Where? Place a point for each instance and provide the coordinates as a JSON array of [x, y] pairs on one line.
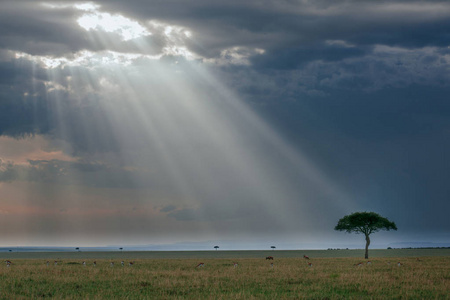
[[254, 278]]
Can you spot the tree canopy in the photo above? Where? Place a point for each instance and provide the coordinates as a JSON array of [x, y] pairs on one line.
[[364, 222]]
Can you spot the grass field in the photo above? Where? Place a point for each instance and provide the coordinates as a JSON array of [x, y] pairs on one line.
[[253, 278]]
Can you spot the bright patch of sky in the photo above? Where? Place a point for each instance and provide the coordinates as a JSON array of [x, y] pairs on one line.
[[102, 22], [126, 28], [236, 56], [175, 37], [86, 58], [93, 19]]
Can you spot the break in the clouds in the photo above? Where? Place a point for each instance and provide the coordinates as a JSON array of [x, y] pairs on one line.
[[130, 122]]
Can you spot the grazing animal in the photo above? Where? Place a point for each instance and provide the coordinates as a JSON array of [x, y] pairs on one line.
[[200, 265], [271, 265], [309, 264], [399, 264], [56, 262], [130, 263], [122, 263], [269, 258], [48, 263], [84, 263], [359, 264], [8, 263], [112, 264], [305, 257], [369, 262], [95, 263], [235, 264]]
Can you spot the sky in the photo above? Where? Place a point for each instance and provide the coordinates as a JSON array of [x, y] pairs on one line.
[[243, 124]]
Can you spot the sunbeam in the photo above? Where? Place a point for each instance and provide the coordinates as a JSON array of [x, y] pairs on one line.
[[165, 149]]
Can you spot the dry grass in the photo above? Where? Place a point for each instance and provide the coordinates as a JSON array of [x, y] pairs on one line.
[[290, 278]]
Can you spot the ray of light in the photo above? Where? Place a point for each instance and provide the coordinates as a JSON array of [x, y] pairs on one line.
[[223, 170]]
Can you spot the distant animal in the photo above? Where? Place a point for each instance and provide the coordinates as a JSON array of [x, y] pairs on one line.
[[269, 258], [56, 263], [48, 263], [130, 263], [305, 257], [399, 264], [84, 263], [309, 264], [359, 264], [8, 263], [418, 259], [200, 265], [122, 263], [235, 264], [112, 264], [271, 265], [94, 263], [369, 262]]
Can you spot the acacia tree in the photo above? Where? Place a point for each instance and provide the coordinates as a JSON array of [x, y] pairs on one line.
[[366, 223]]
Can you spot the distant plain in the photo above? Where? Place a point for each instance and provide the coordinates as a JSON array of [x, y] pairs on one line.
[[223, 254], [328, 274]]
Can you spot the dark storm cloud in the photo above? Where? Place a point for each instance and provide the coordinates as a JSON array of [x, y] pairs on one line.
[[289, 31], [296, 57], [36, 29], [292, 34], [383, 68], [23, 107], [287, 25]]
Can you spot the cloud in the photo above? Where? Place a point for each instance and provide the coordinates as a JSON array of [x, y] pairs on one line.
[[288, 32], [288, 25], [168, 208], [312, 47], [87, 174], [40, 30], [37, 147]]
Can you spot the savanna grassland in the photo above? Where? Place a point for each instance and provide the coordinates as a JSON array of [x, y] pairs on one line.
[[426, 277]]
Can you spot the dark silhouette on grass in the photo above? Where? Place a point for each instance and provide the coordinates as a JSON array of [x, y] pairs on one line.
[[366, 223]]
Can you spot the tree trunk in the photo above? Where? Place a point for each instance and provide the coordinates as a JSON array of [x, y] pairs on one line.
[[366, 256]]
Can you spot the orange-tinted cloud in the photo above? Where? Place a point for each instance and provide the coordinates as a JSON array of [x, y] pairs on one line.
[[20, 151]]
